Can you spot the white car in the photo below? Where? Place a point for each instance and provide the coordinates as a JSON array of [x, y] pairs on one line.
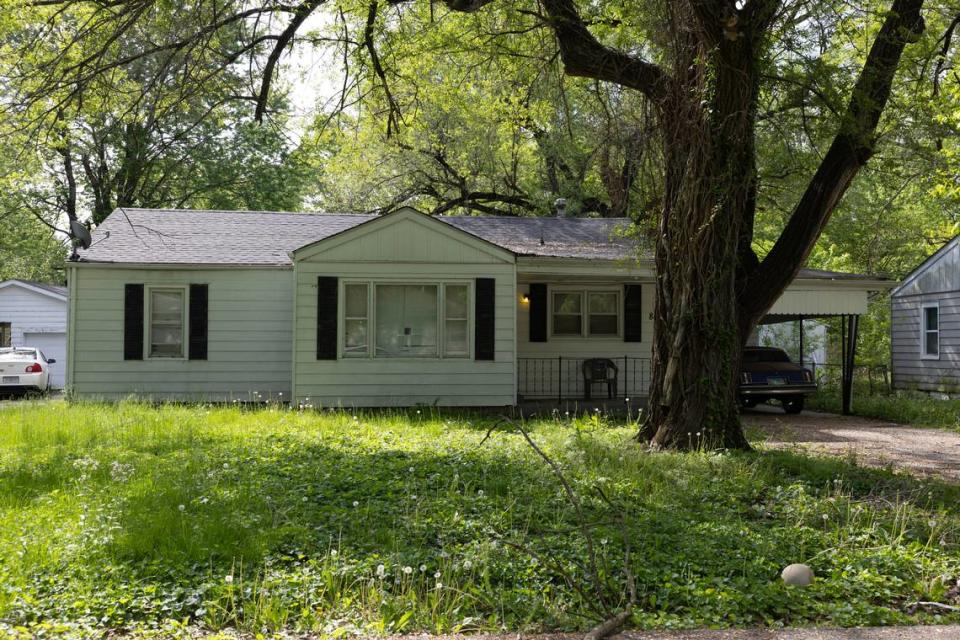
[[24, 370]]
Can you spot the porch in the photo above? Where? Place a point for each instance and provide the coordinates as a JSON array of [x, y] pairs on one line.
[[561, 379]]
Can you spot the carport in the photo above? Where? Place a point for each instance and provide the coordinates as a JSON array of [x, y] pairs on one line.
[[818, 294]]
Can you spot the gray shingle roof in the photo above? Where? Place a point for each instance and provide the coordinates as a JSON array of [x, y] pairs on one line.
[[52, 288], [265, 238], [591, 238], [177, 236]]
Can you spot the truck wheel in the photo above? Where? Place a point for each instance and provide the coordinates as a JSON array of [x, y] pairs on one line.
[[793, 405]]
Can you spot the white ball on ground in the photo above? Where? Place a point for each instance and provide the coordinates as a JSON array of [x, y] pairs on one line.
[[797, 575]]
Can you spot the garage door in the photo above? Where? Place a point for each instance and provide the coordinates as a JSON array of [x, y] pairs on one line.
[[53, 345]]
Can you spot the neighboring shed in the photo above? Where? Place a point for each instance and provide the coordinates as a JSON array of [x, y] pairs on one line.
[[34, 314], [925, 325]]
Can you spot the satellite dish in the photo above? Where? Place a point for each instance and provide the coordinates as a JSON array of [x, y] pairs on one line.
[[80, 233]]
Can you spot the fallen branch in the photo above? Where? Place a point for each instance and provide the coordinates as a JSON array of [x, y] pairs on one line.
[[610, 626], [935, 605]]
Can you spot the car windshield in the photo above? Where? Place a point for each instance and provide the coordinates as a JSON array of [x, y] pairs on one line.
[[765, 355], [18, 354]]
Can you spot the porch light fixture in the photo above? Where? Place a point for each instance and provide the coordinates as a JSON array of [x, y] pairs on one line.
[[524, 298]]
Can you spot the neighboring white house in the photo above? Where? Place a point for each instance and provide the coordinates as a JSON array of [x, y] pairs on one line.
[[34, 314], [925, 325], [365, 310]]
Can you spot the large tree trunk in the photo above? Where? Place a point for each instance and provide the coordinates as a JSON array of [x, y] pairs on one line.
[[703, 245]]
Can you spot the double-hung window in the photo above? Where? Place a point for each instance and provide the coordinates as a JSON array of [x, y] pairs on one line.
[[356, 323], [930, 331], [167, 312], [400, 320], [6, 334], [586, 313]]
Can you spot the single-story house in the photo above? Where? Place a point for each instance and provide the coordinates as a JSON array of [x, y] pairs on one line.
[[925, 325], [366, 310], [34, 314]]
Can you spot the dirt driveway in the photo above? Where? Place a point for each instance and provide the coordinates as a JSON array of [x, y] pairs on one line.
[[928, 452]]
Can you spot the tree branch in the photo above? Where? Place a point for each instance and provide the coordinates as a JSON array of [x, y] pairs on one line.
[[300, 14], [585, 56], [851, 148]]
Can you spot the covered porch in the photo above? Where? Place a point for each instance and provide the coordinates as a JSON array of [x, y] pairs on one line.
[[552, 368]]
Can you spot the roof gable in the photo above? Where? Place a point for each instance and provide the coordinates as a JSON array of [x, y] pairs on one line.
[[405, 235], [939, 272], [41, 288]]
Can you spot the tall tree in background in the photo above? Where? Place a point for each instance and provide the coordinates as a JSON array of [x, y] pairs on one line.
[[162, 131], [702, 66]]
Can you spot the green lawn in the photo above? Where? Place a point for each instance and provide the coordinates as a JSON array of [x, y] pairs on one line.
[[139, 518], [914, 409]]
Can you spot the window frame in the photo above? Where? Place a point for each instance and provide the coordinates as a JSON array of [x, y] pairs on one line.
[[354, 355], [184, 291], [924, 331], [6, 331], [585, 292], [372, 285]]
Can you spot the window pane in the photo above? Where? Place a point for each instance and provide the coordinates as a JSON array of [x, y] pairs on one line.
[[456, 301], [932, 345], [456, 338], [356, 300], [6, 334], [603, 303], [931, 319], [603, 325], [406, 320], [355, 337], [166, 324], [167, 306], [566, 325], [566, 302]]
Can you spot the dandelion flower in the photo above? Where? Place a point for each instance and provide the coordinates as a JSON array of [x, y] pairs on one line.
[[467, 565], [423, 568], [228, 578], [333, 553], [439, 586], [356, 504], [182, 507], [381, 571], [480, 492], [437, 575], [408, 570]]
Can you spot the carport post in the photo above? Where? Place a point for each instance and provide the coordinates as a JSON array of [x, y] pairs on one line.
[[801, 342], [848, 347]]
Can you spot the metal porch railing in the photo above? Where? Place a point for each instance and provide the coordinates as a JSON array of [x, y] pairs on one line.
[[561, 378]]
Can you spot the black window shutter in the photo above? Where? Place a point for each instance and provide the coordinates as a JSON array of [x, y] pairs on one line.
[[485, 325], [133, 322], [326, 318], [632, 313], [538, 313], [198, 322]]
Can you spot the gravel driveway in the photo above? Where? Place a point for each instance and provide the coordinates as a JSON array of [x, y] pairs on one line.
[[926, 452]]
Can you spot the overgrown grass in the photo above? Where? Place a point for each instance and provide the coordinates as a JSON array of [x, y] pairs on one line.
[[147, 518], [914, 409]]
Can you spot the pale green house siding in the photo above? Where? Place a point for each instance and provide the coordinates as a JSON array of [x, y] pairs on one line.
[[552, 368], [404, 249], [250, 319]]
